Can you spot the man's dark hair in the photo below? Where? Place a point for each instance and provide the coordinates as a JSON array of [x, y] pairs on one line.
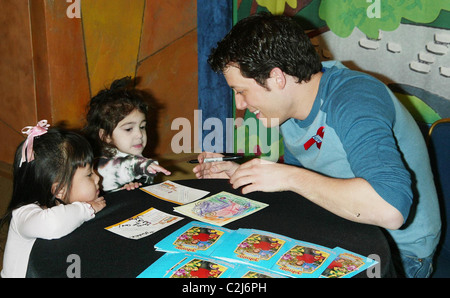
[[261, 42]]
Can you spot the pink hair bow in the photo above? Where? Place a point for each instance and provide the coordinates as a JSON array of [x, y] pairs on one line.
[[32, 132]]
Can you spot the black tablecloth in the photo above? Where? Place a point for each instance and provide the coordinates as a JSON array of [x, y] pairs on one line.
[[105, 254]]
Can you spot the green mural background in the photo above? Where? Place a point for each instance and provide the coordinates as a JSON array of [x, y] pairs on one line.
[[404, 43]]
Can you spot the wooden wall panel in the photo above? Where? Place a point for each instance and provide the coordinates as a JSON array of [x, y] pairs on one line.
[[63, 54], [171, 77], [52, 64], [112, 31], [16, 77], [164, 22]]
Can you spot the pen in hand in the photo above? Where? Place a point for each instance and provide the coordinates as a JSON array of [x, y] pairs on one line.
[[216, 159]]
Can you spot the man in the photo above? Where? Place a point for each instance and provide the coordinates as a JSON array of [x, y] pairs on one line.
[[350, 146]]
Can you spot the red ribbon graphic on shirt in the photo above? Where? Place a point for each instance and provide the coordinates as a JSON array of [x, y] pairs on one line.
[[317, 139]]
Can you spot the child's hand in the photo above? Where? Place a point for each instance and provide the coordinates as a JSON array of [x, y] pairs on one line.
[[131, 185], [155, 168], [98, 204]]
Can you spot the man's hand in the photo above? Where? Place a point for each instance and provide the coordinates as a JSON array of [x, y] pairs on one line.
[[217, 170], [261, 175]]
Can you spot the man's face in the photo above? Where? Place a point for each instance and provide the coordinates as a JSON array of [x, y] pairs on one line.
[[263, 102]]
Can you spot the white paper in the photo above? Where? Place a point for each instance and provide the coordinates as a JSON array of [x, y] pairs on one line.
[[143, 224], [174, 192]]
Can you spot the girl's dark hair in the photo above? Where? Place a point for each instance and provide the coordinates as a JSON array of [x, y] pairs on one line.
[[261, 42], [108, 108], [57, 155]]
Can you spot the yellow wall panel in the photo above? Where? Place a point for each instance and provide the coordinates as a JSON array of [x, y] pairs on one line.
[[165, 22], [171, 77], [112, 30]]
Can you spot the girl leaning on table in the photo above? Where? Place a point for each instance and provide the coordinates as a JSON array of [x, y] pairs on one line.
[[54, 192], [116, 127]]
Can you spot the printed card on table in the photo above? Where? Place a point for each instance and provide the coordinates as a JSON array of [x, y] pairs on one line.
[[247, 271], [179, 265], [174, 192], [304, 260], [220, 208], [254, 247], [195, 237], [143, 224], [347, 264]]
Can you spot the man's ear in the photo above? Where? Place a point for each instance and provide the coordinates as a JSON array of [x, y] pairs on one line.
[[102, 135], [279, 77]]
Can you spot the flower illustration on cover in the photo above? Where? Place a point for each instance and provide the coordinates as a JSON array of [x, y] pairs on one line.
[[302, 259], [198, 268], [197, 238], [344, 264], [258, 247]]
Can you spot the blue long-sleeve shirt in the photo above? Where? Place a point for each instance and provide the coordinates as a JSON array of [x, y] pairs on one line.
[[357, 128]]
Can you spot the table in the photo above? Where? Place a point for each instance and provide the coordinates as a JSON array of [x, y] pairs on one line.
[[104, 254]]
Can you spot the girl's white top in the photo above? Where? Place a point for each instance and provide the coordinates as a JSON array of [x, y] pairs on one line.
[[30, 222]]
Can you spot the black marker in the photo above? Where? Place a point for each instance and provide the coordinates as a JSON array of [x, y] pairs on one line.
[[216, 159]]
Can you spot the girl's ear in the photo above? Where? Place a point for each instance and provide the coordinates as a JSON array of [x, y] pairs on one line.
[[103, 136], [58, 194]]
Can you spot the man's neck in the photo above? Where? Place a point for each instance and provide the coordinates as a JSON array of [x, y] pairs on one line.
[[305, 94]]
